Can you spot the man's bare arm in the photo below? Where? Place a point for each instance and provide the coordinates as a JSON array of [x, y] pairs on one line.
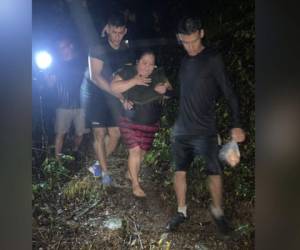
[[95, 70]]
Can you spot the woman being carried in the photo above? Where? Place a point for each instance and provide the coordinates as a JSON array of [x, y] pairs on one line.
[[144, 86]]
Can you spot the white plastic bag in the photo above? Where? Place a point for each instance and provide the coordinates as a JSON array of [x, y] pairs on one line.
[[230, 153]]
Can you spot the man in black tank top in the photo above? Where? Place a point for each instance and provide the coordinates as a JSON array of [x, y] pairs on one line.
[[201, 77]]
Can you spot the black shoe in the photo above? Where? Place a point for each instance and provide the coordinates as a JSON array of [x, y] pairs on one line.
[[222, 225], [178, 219]]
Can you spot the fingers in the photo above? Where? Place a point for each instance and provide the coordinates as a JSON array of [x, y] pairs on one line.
[[130, 104], [127, 104], [140, 80], [144, 81], [143, 84], [238, 135], [241, 137]]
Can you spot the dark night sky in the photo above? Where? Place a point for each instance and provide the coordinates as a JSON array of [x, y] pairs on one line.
[[51, 16]]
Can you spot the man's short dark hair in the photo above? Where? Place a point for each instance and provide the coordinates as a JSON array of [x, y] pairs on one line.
[[189, 25], [117, 20]]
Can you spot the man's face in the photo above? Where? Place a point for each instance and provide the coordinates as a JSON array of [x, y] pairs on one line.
[[65, 49], [192, 43], [116, 34]]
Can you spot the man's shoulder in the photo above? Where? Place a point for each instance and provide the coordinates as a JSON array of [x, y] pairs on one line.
[[212, 50], [212, 53], [104, 45], [102, 42], [124, 44], [99, 50], [207, 52]]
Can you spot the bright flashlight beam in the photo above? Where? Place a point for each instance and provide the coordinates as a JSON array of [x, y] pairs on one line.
[[43, 59]]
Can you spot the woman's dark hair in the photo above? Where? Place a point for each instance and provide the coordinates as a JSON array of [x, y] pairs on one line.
[[141, 53], [189, 25]]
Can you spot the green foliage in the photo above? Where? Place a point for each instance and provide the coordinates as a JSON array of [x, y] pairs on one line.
[[85, 189], [55, 172], [236, 40], [240, 182], [160, 151], [40, 187]]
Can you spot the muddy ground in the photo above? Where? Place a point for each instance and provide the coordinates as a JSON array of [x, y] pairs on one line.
[[73, 214]]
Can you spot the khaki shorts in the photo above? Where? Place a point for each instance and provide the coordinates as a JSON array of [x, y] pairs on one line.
[[64, 119]]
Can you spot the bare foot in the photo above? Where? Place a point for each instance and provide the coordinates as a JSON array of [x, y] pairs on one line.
[[138, 192]]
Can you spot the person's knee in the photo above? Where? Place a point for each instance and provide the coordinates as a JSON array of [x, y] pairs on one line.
[[79, 132], [99, 135], [142, 154], [136, 151], [214, 178], [59, 136], [180, 176], [114, 133], [214, 181]]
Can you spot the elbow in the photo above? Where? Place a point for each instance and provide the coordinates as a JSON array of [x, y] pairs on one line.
[[113, 88], [93, 78]]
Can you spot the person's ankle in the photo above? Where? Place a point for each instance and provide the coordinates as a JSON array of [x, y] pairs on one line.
[[138, 191], [216, 211], [135, 184], [105, 172], [58, 156], [183, 210]]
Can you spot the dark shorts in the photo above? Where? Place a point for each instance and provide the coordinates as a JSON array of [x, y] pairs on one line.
[[101, 111], [137, 134], [186, 148]]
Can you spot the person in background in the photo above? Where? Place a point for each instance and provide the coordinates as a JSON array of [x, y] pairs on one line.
[[66, 78]]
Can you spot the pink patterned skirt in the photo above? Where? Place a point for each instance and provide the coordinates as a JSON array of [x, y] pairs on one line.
[[137, 134]]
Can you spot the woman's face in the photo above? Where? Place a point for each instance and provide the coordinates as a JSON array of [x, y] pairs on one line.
[[145, 65]]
